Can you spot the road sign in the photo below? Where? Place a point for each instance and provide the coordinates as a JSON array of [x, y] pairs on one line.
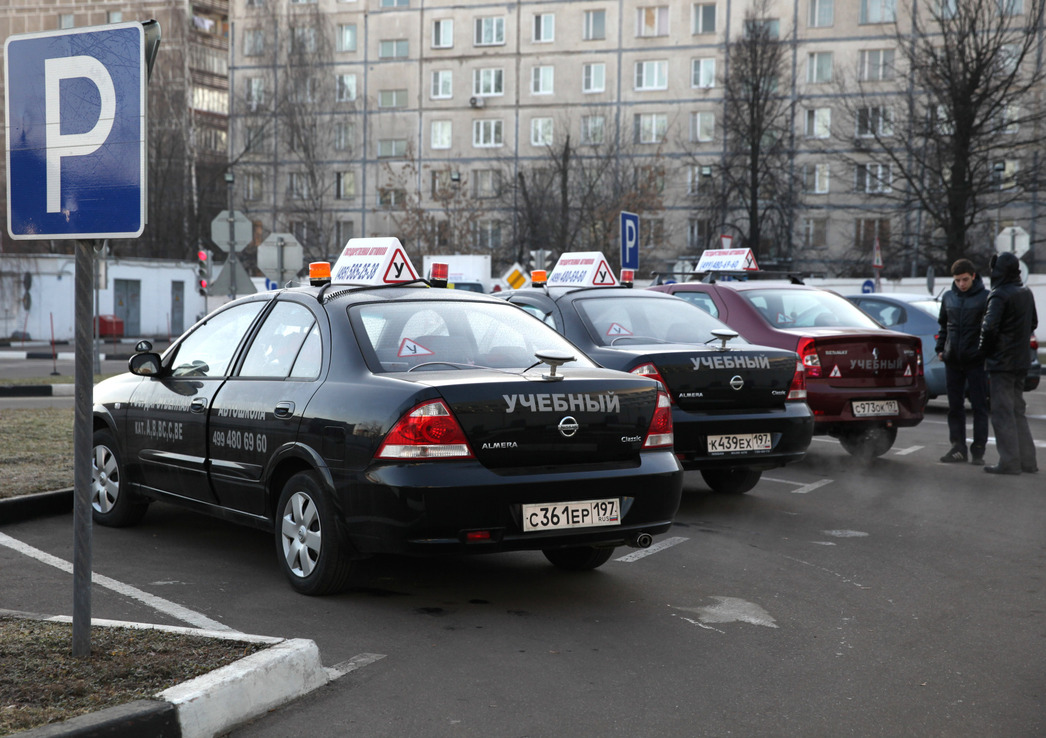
[[515, 277], [629, 240], [280, 256], [223, 283], [867, 287], [76, 133], [242, 230], [1013, 239]]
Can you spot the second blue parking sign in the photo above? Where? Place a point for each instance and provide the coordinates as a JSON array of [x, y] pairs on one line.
[[76, 125]]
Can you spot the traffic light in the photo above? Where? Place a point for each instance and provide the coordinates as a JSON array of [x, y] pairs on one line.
[[203, 271]]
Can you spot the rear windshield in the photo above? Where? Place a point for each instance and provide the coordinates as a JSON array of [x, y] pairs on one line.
[[443, 335], [615, 320], [784, 308]]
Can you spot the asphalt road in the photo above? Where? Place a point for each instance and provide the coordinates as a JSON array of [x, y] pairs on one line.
[[904, 598]]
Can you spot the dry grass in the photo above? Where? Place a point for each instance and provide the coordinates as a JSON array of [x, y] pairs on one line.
[[41, 682], [37, 450]]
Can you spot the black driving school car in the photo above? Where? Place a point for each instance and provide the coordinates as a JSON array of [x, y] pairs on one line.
[[737, 408], [374, 413]]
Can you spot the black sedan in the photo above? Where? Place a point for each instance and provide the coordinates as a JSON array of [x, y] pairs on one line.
[[738, 409], [378, 414]]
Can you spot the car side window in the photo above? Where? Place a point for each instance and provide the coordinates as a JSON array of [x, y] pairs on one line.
[[547, 319], [275, 348], [208, 350], [886, 313], [307, 365], [700, 299]]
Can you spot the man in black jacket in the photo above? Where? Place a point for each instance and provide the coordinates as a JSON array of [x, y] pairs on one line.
[[958, 346], [1008, 325]]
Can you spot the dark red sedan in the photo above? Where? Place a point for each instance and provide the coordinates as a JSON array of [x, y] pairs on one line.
[[863, 382]]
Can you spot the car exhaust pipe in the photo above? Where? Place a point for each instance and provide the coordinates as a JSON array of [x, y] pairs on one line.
[[641, 540]]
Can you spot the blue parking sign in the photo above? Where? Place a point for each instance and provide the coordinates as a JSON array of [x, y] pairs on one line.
[[629, 240], [76, 133]]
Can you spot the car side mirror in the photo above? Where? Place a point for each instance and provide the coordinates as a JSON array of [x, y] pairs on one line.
[[146, 364]]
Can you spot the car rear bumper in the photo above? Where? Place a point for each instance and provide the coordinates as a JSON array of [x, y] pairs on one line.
[[791, 429], [433, 508], [833, 406]]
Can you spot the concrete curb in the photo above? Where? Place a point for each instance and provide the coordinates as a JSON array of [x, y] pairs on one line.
[[37, 390], [26, 507]]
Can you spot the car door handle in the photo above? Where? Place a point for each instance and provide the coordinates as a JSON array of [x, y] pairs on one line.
[[284, 409], [198, 405]]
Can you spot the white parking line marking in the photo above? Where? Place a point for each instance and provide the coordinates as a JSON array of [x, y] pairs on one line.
[[659, 546], [167, 607], [356, 662], [801, 489], [906, 451]]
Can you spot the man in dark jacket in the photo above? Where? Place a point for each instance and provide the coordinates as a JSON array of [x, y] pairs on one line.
[[958, 346], [1008, 325]]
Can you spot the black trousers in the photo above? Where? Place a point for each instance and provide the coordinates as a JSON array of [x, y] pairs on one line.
[[976, 378], [1013, 437]]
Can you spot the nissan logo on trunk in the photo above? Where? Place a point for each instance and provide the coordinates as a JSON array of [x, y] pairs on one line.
[[568, 427], [736, 382]]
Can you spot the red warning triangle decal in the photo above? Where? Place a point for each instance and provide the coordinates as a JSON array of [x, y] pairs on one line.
[[908, 370], [616, 329], [400, 269], [835, 372], [413, 348], [603, 276]]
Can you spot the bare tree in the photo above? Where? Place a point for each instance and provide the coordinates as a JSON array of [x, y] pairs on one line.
[[960, 144], [754, 190]]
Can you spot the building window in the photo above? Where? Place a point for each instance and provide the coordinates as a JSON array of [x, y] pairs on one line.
[[818, 123], [440, 134], [393, 49], [347, 37], [702, 126], [391, 198], [541, 80], [595, 28], [114, 16], [593, 77], [878, 11], [346, 88], [699, 180], [345, 185], [303, 40], [485, 183], [395, 3], [255, 92], [874, 121], [544, 28], [1005, 172], [253, 42], [822, 13], [1011, 7], [488, 234], [698, 233], [869, 230], [253, 187], [541, 131], [1010, 120], [652, 75], [256, 138], [298, 185], [651, 232], [344, 135], [769, 26], [815, 233], [441, 84], [304, 92], [489, 32], [392, 99], [652, 21], [702, 73], [872, 178], [487, 133], [703, 18], [819, 67], [488, 82], [66, 20], [392, 148], [815, 178], [344, 231], [593, 129], [650, 128], [443, 185], [876, 64], [443, 33]]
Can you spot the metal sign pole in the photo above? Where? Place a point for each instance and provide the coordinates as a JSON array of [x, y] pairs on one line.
[[84, 389]]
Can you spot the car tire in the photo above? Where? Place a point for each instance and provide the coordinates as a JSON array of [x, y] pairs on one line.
[[734, 481], [309, 543], [579, 558], [112, 503], [869, 443]]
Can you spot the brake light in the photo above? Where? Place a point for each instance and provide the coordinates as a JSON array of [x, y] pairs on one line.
[[919, 360], [797, 389], [649, 370], [660, 434], [1034, 343], [429, 431], [807, 351]]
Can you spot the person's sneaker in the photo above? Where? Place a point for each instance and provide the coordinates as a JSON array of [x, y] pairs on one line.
[[956, 455], [977, 459]]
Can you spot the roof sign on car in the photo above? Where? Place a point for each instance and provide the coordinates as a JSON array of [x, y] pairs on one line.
[[582, 269], [727, 260], [373, 261]]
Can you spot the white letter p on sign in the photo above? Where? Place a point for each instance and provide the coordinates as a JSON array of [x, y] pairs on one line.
[[73, 144]]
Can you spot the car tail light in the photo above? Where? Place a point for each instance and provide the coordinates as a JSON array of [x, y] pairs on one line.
[[797, 389], [429, 431], [919, 371], [660, 434], [649, 370], [1034, 343], [807, 351]]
